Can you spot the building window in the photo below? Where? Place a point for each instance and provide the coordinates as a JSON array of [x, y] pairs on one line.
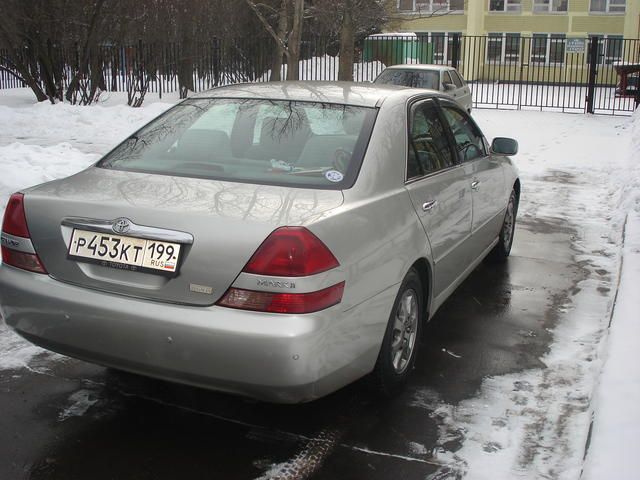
[[503, 48], [607, 6], [609, 49], [547, 49], [504, 5], [550, 6], [442, 46], [431, 6]]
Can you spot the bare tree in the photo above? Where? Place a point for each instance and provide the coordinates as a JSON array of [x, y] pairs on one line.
[[349, 21], [289, 18]]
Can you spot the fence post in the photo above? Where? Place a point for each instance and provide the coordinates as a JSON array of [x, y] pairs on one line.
[[593, 73]]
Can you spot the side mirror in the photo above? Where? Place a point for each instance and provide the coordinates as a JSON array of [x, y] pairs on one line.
[[504, 146], [449, 86]]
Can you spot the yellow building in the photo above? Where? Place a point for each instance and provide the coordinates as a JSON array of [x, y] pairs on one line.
[[543, 36]]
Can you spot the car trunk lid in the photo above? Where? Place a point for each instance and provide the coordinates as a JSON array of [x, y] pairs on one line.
[[226, 221]]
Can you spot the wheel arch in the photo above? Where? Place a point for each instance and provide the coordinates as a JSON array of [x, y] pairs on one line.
[[516, 187], [423, 267]]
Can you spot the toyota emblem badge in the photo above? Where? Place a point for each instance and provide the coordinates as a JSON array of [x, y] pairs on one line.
[[121, 225]]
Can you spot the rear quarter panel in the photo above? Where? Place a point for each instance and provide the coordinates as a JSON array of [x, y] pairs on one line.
[[376, 235]]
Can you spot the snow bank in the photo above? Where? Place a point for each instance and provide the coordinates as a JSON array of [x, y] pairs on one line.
[[40, 142], [614, 448]]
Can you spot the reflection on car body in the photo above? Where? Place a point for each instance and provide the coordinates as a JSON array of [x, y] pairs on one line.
[[308, 231]]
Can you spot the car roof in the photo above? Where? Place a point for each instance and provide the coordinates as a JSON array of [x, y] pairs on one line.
[[345, 93], [420, 66]]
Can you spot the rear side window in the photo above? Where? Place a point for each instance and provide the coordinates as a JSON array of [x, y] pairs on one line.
[[272, 142], [428, 150]]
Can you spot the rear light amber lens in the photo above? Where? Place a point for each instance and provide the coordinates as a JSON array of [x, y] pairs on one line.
[[283, 302], [15, 221], [291, 252], [24, 261]]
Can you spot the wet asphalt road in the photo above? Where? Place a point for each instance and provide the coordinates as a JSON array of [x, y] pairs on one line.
[[497, 322]]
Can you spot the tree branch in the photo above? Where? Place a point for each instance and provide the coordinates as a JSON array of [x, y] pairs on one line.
[[268, 27]]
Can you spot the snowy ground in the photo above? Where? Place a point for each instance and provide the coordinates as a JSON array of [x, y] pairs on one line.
[[577, 172]]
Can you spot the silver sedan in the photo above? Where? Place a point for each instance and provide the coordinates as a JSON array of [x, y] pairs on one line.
[[277, 241]]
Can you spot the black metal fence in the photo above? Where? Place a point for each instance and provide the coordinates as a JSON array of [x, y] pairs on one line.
[[598, 74]]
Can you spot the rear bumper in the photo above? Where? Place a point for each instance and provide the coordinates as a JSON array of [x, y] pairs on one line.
[[279, 358]]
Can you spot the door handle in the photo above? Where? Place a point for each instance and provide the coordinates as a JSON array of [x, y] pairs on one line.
[[426, 206], [475, 184]]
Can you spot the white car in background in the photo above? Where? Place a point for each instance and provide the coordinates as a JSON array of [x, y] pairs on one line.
[[435, 77]]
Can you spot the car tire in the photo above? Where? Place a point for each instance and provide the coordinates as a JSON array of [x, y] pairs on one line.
[[505, 239], [402, 337]]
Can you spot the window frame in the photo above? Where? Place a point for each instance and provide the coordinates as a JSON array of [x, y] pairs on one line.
[[502, 36], [505, 8], [603, 48], [442, 57], [550, 10], [607, 8], [411, 105], [430, 8], [549, 40]]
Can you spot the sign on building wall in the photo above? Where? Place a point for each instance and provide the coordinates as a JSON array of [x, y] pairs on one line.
[[575, 45]]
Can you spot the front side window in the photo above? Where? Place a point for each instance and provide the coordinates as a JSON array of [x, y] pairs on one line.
[[446, 79], [468, 138], [457, 79], [550, 6], [429, 149], [504, 5], [271, 142], [503, 48], [607, 6]]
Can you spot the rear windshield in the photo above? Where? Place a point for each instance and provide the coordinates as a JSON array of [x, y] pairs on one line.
[[410, 78], [273, 142]]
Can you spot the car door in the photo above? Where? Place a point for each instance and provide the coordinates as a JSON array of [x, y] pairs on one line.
[[485, 176], [440, 193]]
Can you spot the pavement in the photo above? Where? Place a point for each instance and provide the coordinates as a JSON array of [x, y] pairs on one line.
[[65, 419]]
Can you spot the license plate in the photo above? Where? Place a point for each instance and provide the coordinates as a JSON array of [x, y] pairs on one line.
[[125, 253]]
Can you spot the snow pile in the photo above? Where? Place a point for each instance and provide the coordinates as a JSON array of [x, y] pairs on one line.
[[40, 142], [32, 164], [614, 448]]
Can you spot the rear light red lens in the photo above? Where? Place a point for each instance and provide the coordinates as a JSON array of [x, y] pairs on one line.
[[15, 221], [25, 261], [283, 302], [291, 252]]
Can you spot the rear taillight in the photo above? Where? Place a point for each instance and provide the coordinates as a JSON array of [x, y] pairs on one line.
[[289, 252], [15, 221], [17, 249]]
